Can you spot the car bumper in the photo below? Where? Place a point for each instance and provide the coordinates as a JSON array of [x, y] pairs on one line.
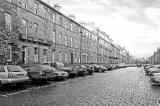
[[60, 76], [14, 80], [41, 77], [72, 74]]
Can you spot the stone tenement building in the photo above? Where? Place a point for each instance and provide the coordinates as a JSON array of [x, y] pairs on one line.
[[155, 58], [47, 35]]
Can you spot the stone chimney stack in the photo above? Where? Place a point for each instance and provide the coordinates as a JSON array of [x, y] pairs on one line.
[[72, 16], [57, 7]]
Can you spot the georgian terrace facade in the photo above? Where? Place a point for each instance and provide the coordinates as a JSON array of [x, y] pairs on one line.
[[46, 34]]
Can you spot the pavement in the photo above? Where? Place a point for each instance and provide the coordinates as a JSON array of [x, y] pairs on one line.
[[122, 87]]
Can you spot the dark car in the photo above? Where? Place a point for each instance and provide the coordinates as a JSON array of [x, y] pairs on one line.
[[81, 69], [96, 68], [59, 74], [72, 72], [102, 68], [115, 66], [139, 65], [109, 67], [39, 72], [146, 69], [90, 68]]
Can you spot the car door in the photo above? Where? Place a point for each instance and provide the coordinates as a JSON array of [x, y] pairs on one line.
[[3, 73]]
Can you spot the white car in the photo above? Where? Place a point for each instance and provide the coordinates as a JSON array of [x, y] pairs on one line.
[[155, 78], [12, 74]]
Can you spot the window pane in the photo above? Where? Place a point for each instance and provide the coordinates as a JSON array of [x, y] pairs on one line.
[[66, 40], [71, 42], [36, 8], [25, 26], [60, 57], [36, 54], [53, 36], [71, 27], [44, 55], [35, 27], [53, 57], [66, 57], [8, 20], [60, 38], [54, 17], [15, 69], [61, 21], [45, 13], [75, 42]]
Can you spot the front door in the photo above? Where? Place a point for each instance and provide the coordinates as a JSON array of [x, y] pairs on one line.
[[71, 58], [24, 55]]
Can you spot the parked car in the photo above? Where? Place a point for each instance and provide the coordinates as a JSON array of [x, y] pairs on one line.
[[155, 78], [109, 67], [90, 68], [81, 69], [72, 72], [102, 68], [146, 69], [11, 74], [58, 74], [96, 68], [37, 72], [155, 69], [139, 65], [122, 65], [115, 66]]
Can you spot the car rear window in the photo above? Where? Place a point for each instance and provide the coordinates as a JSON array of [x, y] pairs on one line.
[[15, 69], [45, 67], [45, 63], [83, 66]]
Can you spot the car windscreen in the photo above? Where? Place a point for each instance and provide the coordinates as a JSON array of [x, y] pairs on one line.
[[15, 69], [45, 68], [83, 66], [60, 65], [45, 63]]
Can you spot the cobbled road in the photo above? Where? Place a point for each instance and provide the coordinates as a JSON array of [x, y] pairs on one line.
[[121, 87]]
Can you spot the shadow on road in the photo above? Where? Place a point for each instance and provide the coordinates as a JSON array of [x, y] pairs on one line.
[[155, 86], [7, 89]]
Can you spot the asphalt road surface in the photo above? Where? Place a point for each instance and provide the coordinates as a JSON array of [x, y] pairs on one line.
[[121, 87]]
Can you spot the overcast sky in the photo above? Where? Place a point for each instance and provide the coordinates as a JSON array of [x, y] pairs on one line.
[[134, 24]]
